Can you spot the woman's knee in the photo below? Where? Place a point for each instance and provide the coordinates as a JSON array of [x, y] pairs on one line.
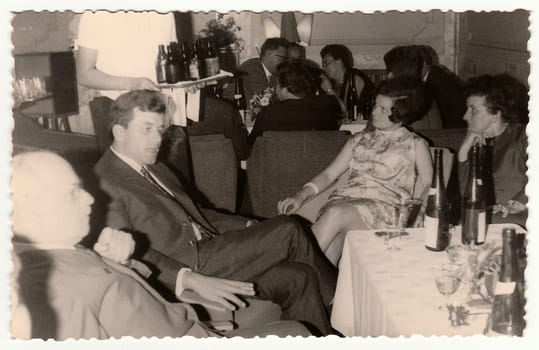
[[340, 214]]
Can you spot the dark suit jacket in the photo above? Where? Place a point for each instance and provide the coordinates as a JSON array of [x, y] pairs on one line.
[[253, 78], [448, 92], [77, 294], [159, 225]]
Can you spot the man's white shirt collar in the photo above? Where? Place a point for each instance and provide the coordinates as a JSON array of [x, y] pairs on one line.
[[136, 166], [266, 71]]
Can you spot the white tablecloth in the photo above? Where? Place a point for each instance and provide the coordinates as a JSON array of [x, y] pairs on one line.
[[393, 293]]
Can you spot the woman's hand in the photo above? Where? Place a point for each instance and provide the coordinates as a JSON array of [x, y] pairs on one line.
[[290, 205], [511, 207], [472, 137], [326, 85]]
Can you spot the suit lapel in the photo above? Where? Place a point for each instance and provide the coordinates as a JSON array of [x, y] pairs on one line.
[[135, 180], [162, 172]]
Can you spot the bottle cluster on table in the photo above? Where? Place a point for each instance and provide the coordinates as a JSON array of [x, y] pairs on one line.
[[437, 211], [474, 206], [508, 305], [178, 62]]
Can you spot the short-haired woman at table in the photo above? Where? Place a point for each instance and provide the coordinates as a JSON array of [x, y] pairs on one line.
[[387, 165], [496, 106], [338, 65]]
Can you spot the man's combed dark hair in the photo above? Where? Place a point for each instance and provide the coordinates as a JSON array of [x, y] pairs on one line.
[[145, 100], [272, 44], [411, 100]]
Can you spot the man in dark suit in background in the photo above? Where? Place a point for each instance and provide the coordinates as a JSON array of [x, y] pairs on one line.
[[258, 73], [200, 249]]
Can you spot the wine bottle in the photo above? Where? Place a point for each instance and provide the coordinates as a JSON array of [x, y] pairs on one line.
[[172, 67], [184, 62], [437, 211], [161, 65], [507, 307], [351, 98], [474, 222], [211, 61], [194, 64]]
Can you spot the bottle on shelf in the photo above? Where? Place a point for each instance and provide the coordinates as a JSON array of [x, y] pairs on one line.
[[508, 305], [211, 61], [352, 103], [437, 210], [474, 218], [161, 65], [172, 67], [194, 64], [183, 59]]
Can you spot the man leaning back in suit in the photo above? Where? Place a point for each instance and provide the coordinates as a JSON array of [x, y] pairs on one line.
[[63, 290], [221, 257]]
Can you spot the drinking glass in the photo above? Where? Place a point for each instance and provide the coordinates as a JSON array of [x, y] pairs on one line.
[[398, 221], [447, 278]]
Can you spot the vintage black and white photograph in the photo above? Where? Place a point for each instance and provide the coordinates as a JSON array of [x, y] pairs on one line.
[[200, 174]]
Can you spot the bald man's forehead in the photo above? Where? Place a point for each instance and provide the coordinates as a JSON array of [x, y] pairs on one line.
[[43, 174]]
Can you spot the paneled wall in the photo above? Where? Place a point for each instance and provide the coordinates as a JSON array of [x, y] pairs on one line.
[[493, 42]]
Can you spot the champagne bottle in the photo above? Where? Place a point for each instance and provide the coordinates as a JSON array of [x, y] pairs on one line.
[[194, 64], [437, 211], [507, 307], [351, 98], [474, 223], [172, 67], [161, 65], [211, 61]]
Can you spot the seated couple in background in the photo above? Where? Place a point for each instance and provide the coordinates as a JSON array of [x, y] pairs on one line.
[[220, 257], [63, 290], [298, 106]]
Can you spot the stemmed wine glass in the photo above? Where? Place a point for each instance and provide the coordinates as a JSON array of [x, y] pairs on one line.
[[447, 278]]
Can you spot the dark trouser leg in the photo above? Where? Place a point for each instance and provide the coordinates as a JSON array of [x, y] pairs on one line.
[[294, 286], [247, 254]]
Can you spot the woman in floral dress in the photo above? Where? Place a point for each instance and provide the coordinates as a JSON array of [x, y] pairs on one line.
[[386, 166]]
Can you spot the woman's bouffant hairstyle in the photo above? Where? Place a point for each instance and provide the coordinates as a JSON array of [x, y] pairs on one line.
[[411, 100], [339, 52], [503, 94], [295, 77]]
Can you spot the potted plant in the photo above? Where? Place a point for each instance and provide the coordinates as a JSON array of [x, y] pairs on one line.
[[222, 33]]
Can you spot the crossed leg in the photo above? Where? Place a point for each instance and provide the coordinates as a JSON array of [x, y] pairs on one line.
[[331, 227]]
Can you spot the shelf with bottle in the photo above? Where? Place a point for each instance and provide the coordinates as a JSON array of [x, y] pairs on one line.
[[189, 83]]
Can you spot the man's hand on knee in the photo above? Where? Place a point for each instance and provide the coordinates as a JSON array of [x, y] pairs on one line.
[[222, 291]]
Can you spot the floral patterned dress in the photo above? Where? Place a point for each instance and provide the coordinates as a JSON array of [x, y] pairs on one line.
[[382, 173]]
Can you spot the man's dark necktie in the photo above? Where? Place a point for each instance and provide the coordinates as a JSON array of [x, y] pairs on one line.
[[204, 232]]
